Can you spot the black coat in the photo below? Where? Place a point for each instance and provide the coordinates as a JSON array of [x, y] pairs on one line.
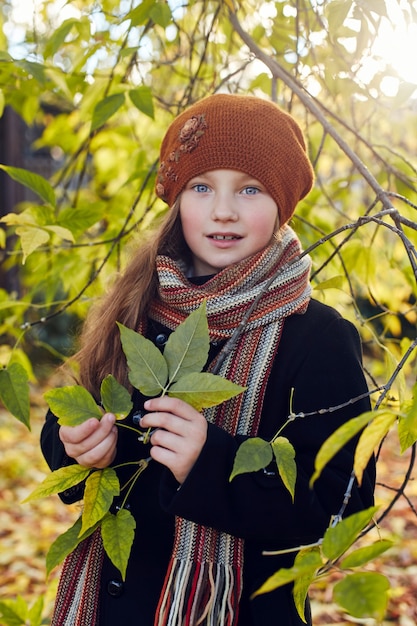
[[319, 356]]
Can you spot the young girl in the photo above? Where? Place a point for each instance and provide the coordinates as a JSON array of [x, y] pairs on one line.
[[232, 169]]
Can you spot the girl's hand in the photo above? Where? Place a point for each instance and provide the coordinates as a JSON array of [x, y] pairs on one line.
[[93, 443], [181, 434]]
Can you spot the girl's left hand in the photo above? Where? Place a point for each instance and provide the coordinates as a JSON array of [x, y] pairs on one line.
[[181, 434]]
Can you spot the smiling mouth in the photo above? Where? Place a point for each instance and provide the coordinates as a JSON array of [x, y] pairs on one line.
[[224, 237]]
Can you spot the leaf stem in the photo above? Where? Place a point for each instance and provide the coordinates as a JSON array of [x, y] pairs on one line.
[[143, 464]]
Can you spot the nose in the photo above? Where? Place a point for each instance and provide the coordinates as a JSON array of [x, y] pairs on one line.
[[223, 209]]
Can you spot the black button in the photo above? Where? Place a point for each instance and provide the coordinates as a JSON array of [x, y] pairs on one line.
[[115, 588], [161, 340], [136, 417]]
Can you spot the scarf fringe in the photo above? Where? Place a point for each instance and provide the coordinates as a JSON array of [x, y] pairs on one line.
[[203, 594]]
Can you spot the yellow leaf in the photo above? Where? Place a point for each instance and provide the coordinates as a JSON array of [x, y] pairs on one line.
[[370, 439], [31, 238]]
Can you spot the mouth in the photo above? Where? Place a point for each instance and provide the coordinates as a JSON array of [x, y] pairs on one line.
[[224, 237]]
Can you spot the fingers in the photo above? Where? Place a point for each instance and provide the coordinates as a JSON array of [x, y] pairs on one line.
[[93, 443], [179, 436]]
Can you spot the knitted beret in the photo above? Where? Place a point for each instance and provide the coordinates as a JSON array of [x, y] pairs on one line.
[[243, 133]]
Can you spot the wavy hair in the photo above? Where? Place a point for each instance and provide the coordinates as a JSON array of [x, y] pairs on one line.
[[128, 301]]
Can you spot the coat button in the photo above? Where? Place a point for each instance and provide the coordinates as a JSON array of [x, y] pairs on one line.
[[115, 588], [161, 340], [136, 417]]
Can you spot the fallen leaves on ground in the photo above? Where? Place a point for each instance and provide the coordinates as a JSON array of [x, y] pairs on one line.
[[27, 530]]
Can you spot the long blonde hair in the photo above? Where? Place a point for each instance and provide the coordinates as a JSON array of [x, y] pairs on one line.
[[127, 302]]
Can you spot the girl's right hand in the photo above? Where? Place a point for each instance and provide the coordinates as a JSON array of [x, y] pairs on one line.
[[93, 443]]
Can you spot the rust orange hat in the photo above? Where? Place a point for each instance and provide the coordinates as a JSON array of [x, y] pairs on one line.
[[243, 133]]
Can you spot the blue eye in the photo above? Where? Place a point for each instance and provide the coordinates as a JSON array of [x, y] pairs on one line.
[[251, 191], [200, 188]]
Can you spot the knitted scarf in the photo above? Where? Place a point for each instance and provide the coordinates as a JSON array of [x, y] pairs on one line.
[[203, 583], [204, 579], [77, 598]]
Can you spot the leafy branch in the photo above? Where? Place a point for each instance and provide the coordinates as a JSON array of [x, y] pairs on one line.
[[177, 373]]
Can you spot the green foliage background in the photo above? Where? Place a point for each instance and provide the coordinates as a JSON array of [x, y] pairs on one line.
[[100, 82]]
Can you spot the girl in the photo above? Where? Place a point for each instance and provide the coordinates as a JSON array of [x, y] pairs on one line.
[[232, 169]]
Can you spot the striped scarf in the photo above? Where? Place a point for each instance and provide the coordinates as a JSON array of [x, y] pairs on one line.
[[203, 583]]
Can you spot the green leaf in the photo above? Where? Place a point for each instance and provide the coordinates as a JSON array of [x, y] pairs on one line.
[[58, 37], [148, 370], [60, 231], [370, 439], [31, 238], [161, 14], [14, 392], [307, 562], [34, 182], [13, 612], [252, 455], [115, 398], [140, 14], [305, 559], [100, 489], [105, 109], [336, 282], [407, 425], [33, 69], [118, 532], [285, 458], [337, 440], [363, 594], [204, 390], [187, 348], [35, 612], [340, 537], [2, 102], [361, 556], [79, 220], [72, 405], [141, 98], [336, 13], [64, 544], [59, 480]]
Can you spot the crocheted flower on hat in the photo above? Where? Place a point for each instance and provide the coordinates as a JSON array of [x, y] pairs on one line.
[[189, 138], [191, 133]]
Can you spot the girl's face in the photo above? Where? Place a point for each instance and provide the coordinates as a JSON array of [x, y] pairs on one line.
[[226, 217]]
